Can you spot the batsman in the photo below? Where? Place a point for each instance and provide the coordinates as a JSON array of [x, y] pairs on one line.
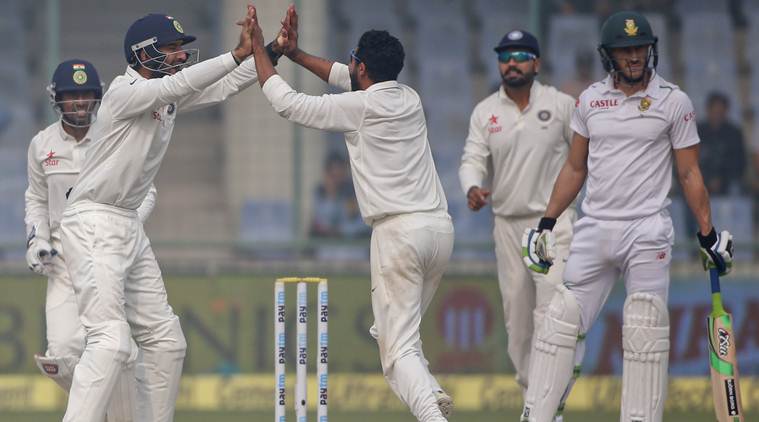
[[628, 130]]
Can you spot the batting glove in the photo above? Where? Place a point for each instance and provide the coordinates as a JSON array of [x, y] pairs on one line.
[[39, 253], [717, 251], [539, 246]]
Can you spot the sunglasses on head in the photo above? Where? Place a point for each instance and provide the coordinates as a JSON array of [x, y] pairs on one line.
[[518, 56], [354, 57]]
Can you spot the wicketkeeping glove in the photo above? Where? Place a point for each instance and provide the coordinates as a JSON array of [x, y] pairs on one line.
[[539, 246], [717, 251], [39, 253]]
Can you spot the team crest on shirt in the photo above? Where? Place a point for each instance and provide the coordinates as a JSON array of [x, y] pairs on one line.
[[645, 104], [493, 126], [544, 115]]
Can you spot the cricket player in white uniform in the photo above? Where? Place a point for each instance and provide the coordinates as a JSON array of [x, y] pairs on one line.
[[115, 274], [55, 157], [397, 187], [629, 128], [523, 130]]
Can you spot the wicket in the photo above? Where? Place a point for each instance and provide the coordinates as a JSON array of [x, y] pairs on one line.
[[280, 348]]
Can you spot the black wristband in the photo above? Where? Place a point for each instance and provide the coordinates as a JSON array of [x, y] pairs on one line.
[[707, 241], [546, 223], [274, 56], [233, 58]]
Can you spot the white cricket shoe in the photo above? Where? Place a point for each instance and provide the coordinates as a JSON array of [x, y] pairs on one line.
[[444, 402]]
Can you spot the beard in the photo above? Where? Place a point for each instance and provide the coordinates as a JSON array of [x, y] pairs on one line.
[[519, 80], [354, 80]]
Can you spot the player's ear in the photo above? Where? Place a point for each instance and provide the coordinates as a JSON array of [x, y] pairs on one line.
[[537, 66], [362, 69]]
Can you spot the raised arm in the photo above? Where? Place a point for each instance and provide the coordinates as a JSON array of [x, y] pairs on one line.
[[571, 177], [341, 112], [141, 95], [316, 65]]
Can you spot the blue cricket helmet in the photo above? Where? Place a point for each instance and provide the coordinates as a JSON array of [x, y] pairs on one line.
[[156, 29], [75, 75]]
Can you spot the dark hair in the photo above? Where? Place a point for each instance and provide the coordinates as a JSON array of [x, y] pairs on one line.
[[715, 97], [382, 54]]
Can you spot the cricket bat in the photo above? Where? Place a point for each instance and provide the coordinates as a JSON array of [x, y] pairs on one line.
[[722, 358]]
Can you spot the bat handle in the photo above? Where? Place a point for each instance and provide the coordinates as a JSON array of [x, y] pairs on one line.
[[714, 277], [717, 307]]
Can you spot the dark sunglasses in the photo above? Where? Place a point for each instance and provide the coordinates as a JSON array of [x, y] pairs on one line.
[[518, 56]]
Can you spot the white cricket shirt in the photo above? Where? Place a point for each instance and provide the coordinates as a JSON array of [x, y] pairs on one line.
[[630, 147], [54, 160], [135, 122], [527, 147], [386, 135]]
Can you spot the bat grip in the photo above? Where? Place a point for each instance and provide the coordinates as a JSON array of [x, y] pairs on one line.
[[714, 277]]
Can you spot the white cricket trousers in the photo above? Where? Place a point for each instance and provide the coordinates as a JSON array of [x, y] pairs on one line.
[[409, 254], [118, 285], [66, 338], [525, 293], [64, 330], [640, 251]]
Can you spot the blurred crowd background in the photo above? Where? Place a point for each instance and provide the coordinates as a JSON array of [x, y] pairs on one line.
[[241, 186]]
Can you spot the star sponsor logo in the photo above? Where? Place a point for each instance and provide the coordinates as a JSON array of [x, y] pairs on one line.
[[604, 103], [51, 160], [493, 126], [689, 116]]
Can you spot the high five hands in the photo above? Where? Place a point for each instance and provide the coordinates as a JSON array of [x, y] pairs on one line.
[[251, 35], [245, 45]]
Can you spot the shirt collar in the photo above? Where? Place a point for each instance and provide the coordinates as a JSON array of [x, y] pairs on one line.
[[133, 73], [652, 90], [68, 138], [533, 93], [382, 85]]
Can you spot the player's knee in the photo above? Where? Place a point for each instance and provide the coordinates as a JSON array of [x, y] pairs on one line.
[[561, 323], [114, 336], [646, 324], [166, 336]]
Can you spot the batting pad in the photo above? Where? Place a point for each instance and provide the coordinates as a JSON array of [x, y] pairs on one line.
[[553, 354], [645, 340]]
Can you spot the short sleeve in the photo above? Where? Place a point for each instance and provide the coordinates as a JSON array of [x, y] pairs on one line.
[[567, 109], [579, 117], [683, 132]]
